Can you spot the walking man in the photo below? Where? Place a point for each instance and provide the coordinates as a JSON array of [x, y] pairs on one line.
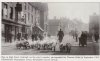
[[60, 35], [19, 36], [83, 40], [96, 36]]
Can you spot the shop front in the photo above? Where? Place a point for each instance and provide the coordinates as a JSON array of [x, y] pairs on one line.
[[8, 32], [11, 29]]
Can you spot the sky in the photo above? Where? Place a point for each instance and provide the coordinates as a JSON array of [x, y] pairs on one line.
[[81, 11]]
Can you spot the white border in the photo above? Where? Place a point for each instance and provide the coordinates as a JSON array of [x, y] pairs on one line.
[[51, 0], [95, 59]]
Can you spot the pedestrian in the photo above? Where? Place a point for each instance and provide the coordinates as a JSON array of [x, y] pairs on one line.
[[26, 36], [96, 36], [19, 36], [40, 36], [36, 37], [76, 36], [60, 35], [10, 37], [33, 37], [83, 38]]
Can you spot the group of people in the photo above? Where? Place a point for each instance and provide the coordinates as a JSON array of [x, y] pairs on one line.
[[82, 39], [19, 36], [25, 36], [60, 35], [36, 37]]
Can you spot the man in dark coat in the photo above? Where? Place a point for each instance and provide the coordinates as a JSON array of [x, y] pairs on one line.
[[60, 35], [84, 38], [33, 37], [19, 36], [10, 37], [36, 37], [76, 36], [96, 36], [26, 36]]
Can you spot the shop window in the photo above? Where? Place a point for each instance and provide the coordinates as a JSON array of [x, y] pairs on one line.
[[23, 29], [3, 30]]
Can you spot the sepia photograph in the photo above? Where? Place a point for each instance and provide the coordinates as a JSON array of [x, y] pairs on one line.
[[50, 28]]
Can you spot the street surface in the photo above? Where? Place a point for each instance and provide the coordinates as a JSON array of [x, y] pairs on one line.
[[76, 50], [92, 48]]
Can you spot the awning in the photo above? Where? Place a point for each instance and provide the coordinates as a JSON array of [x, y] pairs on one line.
[[38, 28], [9, 22]]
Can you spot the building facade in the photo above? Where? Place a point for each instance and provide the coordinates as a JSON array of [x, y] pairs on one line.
[[94, 24], [24, 18], [66, 25]]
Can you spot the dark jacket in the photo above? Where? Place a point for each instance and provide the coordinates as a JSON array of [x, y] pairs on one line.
[[60, 34], [96, 35]]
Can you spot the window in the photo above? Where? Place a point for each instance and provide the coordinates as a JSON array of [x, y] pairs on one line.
[[32, 18], [32, 9], [3, 30], [28, 16], [2, 12], [25, 6], [11, 12], [28, 7], [25, 18], [5, 10], [5, 6]]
